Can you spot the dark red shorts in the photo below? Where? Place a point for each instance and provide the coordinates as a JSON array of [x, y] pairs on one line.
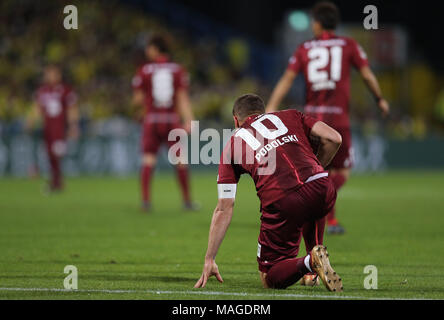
[[55, 144], [344, 156], [281, 227], [156, 134]]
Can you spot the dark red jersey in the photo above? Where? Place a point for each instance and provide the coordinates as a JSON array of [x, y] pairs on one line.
[[160, 82], [325, 63], [275, 150], [53, 102]]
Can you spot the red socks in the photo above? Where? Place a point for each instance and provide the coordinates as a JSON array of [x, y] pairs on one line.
[[338, 181], [285, 273], [145, 179], [56, 174], [313, 233], [182, 175]]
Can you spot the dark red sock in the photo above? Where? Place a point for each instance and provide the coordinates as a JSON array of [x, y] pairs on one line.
[[145, 180], [285, 273], [313, 233], [182, 175], [56, 174], [338, 181]]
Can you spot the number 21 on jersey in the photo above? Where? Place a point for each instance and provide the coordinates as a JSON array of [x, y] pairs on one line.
[[319, 59]]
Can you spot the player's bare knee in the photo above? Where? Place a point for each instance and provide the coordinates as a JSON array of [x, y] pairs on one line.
[[181, 165], [149, 159], [263, 277]]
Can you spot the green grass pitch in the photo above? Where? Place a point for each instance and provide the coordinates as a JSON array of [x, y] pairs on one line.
[[394, 221]]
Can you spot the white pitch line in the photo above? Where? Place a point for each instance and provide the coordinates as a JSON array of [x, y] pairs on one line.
[[198, 292]]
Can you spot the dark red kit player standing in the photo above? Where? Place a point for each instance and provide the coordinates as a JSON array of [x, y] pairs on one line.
[[326, 62], [161, 86], [56, 102]]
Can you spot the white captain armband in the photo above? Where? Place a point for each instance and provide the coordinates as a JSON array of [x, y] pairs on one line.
[[226, 191]]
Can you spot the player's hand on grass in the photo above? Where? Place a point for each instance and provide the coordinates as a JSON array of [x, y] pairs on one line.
[[384, 106], [210, 269]]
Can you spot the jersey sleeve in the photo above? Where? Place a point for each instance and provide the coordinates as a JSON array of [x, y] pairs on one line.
[[229, 174], [295, 61], [138, 80], [358, 55], [306, 121]]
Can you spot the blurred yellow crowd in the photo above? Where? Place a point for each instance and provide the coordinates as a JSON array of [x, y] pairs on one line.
[[100, 58]]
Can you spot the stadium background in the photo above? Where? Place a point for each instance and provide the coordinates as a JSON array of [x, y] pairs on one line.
[[226, 56]]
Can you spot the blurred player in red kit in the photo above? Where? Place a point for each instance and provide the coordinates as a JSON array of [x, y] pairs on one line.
[[56, 103], [161, 86], [294, 189], [325, 63]]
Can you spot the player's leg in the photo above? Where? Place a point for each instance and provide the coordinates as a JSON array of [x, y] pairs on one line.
[[338, 177], [150, 146], [281, 231], [282, 228], [339, 172], [148, 165], [278, 248], [56, 175], [313, 230], [34, 168], [286, 273], [182, 169], [184, 183], [54, 156], [276, 256]]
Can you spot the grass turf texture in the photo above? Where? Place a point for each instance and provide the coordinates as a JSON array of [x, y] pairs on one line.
[[394, 221]]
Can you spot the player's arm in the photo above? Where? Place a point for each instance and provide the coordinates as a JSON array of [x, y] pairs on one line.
[[73, 115], [328, 139], [32, 117], [219, 225], [184, 108], [280, 91], [138, 85], [138, 97], [372, 83]]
